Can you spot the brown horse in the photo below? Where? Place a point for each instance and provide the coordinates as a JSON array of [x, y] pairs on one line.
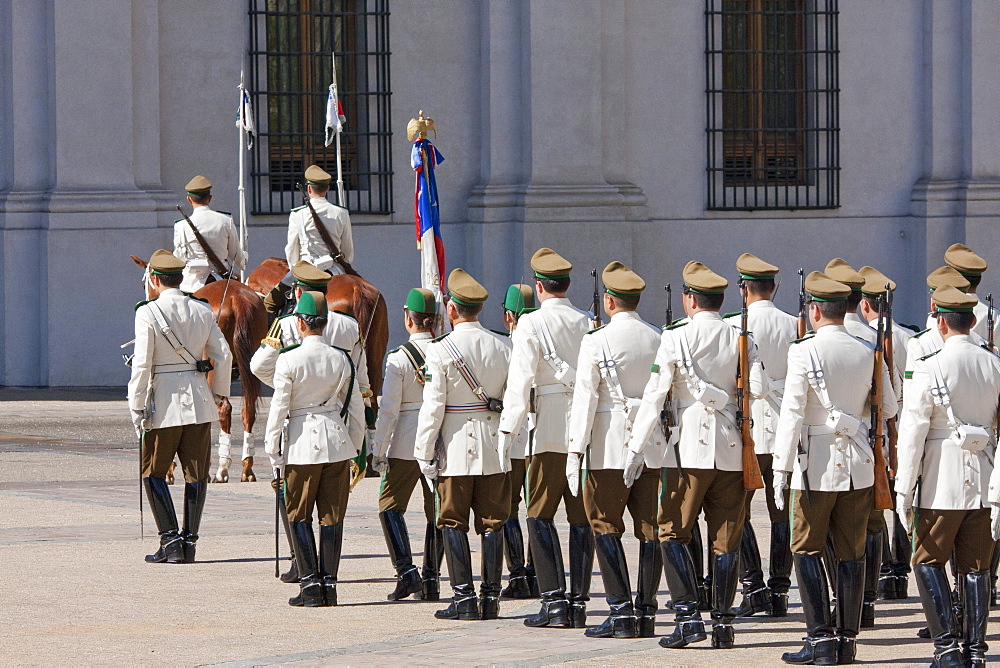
[[243, 321]]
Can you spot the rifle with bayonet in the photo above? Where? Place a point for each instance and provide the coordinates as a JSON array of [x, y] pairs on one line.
[[876, 435], [596, 307], [990, 321], [217, 264], [667, 419], [335, 253], [890, 425], [803, 319], [752, 478]]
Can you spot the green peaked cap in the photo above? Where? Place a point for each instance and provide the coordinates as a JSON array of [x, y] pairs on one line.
[[311, 303], [420, 300], [519, 299]]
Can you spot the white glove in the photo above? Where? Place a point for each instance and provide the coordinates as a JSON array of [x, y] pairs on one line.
[[633, 467], [141, 421], [428, 469], [503, 449], [904, 509], [278, 464], [573, 473], [995, 521], [380, 464], [780, 485]]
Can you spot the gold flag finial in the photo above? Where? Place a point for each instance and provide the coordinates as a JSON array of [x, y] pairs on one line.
[[418, 127]]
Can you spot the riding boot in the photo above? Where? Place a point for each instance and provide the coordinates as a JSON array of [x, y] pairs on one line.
[[331, 540], [276, 300], [529, 572], [492, 565], [433, 555], [292, 575], [194, 505], [756, 595], [581, 569], [873, 563], [397, 539], [994, 566], [887, 574], [851, 593], [902, 552], [161, 504], [650, 569], [821, 640], [725, 576], [679, 571], [781, 568], [513, 547], [935, 597], [830, 563], [547, 553], [311, 583], [617, 587], [697, 550], [977, 613], [464, 603]]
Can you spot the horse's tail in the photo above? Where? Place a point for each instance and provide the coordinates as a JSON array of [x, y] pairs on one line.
[[246, 339], [366, 300]]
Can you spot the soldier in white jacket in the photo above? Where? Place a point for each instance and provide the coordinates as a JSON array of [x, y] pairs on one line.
[[612, 371], [971, 266], [773, 331], [458, 443], [173, 406], [546, 346], [698, 360], [826, 408], [392, 453], [218, 230], [314, 389], [928, 340]]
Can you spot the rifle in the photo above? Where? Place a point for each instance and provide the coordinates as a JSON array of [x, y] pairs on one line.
[[596, 308], [277, 519], [883, 497], [752, 478], [803, 320], [219, 266], [338, 257], [670, 306], [667, 421], [891, 423], [990, 320]]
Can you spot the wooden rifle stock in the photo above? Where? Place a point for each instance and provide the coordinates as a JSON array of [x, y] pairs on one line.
[[752, 478], [803, 320], [883, 496], [338, 257], [892, 432], [220, 267], [597, 301]]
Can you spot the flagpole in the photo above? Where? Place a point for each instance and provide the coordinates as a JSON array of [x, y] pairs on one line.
[[340, 172], [242, 188]]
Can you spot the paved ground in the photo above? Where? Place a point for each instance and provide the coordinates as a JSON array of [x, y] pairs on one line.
[[75, 590]]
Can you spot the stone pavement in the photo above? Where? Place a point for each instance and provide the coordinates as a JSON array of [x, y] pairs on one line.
[[75, 590]]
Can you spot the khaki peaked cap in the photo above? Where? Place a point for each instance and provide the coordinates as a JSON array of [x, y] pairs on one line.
[[751, 267], [875, 281], [317, 177], [622, 281], [199, 185], [466, 290], [703, 280], [838, 270], [949, 299], [822, 288], [166, 263], [308, 275], [946, 275], [546, 263], [964, 260]]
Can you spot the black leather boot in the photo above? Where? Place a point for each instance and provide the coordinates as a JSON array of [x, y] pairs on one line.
[[161, 504], [725, 575], [529, 572], [547, 554], [581, 569], [621, 621], [433, 556], [902, 553], [464, 603], [697, 549], [679, 571], [489, 591], [935, 597], [397, 539], [311, 582], [994, 566], [850, 597], [331, 540], [781, 568], [821, 647], [292, 575], [873, 565], [977, 613], [194, 505], [513, 547], [650, 569], [756, 595]]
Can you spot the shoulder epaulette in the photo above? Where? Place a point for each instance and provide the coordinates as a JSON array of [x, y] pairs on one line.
[[337, 206], [394, 350], [299, 208], [439, 338], [225, 213], [866, 342], [805, 338], [734, 313], [504, 334], [199, 299], [346, 315], [142, 303], [346, 352], [291, 347], [912, 328], [179, 220], [929, 355], [675, 325], [921, 333], [287, 315], [597, 329]]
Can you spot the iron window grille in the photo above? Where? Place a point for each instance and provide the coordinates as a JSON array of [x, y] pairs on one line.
[[291, 42], [772, 118]]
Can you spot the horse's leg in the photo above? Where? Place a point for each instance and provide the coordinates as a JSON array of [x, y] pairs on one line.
[[249, 416], [170, 472], [225, 427]]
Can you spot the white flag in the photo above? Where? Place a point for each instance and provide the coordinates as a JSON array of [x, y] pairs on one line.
[[244, 119], [335, 118]]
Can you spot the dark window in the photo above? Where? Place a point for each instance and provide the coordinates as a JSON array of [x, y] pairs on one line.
[[290, 73], [773, 92]]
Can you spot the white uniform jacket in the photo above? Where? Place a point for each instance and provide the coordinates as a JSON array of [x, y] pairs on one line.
[[311, 384], [566, 324], [306, 243], [165, 381], [857, 327], [599, 424], [900, 346], [341, 331], [467, 430], [219, 231], [833, 463], [773, 331], [709, 438], [399, 405], [929, 341]]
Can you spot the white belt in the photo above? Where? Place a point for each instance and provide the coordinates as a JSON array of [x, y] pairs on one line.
[[822, 429], [617, 405], [553, 388], [410, 406], [174, 368], [939, 434], [313, 410]]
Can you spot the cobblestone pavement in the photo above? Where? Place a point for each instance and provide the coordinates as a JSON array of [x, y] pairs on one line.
[[75, 589]]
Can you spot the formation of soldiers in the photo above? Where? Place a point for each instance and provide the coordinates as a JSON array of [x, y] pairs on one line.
[[628, 415]]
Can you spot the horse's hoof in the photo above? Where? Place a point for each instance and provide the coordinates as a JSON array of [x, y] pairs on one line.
[[170, 473], [248, 475], [222, 475]]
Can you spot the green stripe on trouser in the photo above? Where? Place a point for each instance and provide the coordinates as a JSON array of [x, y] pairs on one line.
[[791, 514]]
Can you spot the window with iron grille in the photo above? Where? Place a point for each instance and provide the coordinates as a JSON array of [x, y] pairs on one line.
[[291, 69], [773, 121]]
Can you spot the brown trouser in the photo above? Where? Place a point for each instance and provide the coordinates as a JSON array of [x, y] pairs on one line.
[[842, 515], [766, 472], [605, 497], [518, 484], [547, 486], [487, 496], [325, 486], [191, 443], [397, 487], [721, 494], [938, 533]]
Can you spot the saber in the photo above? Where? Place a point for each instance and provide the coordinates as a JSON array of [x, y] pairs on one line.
[[142, 522]]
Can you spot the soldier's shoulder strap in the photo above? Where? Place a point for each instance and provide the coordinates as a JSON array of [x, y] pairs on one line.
[[503, 334], [143, 303], [346, 315], [732, 315], [928, 356], [440, 337], [597, 329], [912, 328], [805, 338], [299, 208], [921, 333], [350, 383], [225, 213], [676, 325], [291, 347], [199, 299]]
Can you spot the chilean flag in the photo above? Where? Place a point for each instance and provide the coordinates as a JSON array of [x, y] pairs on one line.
[[424, 158]]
